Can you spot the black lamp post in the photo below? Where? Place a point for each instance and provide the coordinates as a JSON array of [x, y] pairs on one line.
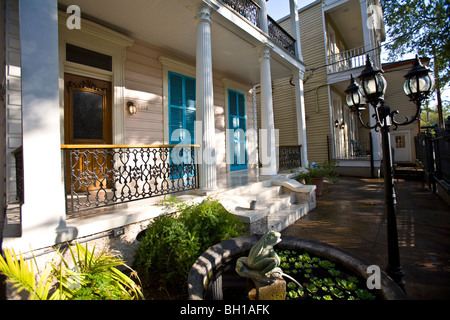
[[418, 86]]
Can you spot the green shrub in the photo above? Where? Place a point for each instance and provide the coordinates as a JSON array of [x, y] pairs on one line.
[[173, 242]]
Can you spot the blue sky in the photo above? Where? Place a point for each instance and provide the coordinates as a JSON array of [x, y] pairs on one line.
[[278, 9]]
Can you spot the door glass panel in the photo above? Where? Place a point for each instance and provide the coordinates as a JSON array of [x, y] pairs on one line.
[[87, 115]]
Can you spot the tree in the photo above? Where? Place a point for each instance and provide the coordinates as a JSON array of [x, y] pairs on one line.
[[421, 27]]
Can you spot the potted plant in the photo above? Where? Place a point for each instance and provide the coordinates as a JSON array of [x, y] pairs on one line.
[[317, 172]]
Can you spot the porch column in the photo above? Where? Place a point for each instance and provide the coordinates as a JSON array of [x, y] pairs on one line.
[[301, 116], [263, 25], [267, 133], [43, 211], [205, 102], [295, 27]]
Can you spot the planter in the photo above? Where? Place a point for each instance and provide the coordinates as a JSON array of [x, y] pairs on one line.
[[319, 185], [212, 276]]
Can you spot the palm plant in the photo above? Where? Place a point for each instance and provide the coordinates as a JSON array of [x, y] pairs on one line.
[[93, 277]]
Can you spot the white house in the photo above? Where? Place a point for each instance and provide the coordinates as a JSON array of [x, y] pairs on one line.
[[96, 94]]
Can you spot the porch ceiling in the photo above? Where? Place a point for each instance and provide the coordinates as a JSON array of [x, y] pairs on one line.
[[170, 25], [346, 18]]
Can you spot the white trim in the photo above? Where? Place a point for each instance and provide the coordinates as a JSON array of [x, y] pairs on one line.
[[95, 37], [177, 67]]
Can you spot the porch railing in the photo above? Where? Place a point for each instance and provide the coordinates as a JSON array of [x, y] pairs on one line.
[[289, 157], [250, 10], [102, 175], [346, 60]]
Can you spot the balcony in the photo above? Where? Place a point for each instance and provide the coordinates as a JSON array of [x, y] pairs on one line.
[[251, 11]]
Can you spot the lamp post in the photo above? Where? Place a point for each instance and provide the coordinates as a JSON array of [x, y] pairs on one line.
[[418, 86]]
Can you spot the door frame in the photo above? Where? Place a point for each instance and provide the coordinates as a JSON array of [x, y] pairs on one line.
[[237, 87], [95, 37]]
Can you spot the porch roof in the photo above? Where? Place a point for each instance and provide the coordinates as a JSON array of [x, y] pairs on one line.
[[170, 24]]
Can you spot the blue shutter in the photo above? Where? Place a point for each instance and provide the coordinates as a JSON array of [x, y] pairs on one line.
[[237, 122]]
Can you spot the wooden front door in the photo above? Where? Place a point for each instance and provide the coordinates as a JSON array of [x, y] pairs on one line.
[[88, 121]]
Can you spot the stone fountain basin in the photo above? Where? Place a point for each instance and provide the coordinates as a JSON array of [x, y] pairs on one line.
[[204, 272]]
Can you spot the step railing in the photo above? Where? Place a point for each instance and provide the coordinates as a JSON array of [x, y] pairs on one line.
[[102, 175]]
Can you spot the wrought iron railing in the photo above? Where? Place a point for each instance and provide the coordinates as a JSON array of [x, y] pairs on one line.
[[102, 175], [280, 36], [250, 10], [289, 157], [246, 8]]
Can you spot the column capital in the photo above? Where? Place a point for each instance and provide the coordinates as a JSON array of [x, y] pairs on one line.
[[203, 14], [264, 50]]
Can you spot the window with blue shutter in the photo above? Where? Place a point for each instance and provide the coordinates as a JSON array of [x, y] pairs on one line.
[[182, 116], [237, 125]]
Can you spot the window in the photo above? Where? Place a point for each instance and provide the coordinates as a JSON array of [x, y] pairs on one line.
[[88, 57], [182, 109]]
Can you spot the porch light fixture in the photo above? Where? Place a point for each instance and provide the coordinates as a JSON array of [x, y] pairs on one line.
[[131, 107], [418, 86]]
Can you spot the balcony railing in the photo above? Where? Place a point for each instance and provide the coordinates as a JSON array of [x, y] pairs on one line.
[[280, 36], [102, 175], [251, 11], [346, 60]]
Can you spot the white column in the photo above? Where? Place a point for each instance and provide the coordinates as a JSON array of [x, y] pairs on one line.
[[43, 213], [301, 116], [263, 25], [295, 28], [267, 133], [205, 102]]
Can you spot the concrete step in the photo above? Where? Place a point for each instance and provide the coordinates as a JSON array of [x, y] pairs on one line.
[[279, 203], [282, 219]]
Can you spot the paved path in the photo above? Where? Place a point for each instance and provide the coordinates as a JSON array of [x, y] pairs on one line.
[[350, 215]]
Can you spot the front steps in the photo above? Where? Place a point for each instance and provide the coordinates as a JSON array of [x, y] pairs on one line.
[[277, 203]]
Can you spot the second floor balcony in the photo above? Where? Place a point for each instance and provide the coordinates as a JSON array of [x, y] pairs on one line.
[[251, 10]]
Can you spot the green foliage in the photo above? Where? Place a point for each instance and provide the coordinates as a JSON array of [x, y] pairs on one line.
[[21, 275], [173, 242], [420, 27], [326, 169], [93, 277], [313, 273]]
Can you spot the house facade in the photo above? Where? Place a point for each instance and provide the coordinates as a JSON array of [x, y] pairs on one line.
[[106, 102], [336, 36]]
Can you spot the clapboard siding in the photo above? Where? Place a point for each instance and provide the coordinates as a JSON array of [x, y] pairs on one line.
[[315, 87], [144, 87]]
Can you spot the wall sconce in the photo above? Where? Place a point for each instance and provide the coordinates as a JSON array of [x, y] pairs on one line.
[[132, 109]]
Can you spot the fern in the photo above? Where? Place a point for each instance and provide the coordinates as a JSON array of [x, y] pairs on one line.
[[22, 276]]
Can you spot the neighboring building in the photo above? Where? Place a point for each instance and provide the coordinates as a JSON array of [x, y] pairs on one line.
[[336, 36], [402, 139], [97, 90]]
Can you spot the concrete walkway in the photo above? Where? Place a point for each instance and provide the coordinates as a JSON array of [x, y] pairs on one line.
[[350, 215]]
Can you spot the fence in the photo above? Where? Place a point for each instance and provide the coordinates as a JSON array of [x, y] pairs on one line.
[[99, 176], [433, 152]]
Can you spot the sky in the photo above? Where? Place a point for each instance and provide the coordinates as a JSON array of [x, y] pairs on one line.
[[278, 9]]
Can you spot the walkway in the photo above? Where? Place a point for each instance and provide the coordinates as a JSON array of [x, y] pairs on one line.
[[350, 215]]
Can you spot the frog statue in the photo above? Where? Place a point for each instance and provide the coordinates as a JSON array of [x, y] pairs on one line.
[[262, 263]]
